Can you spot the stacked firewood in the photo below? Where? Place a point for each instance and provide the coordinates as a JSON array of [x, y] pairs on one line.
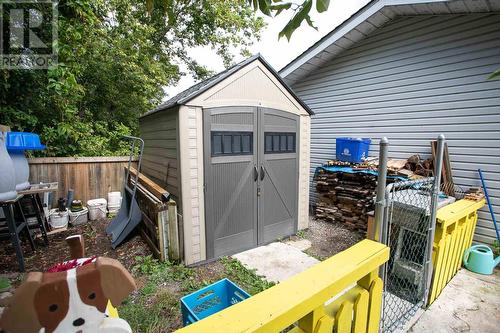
[[345, 197]]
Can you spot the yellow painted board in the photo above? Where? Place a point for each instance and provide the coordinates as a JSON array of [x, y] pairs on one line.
[[279, 306], [361, 305], [437, 270], [375, 309], [452, 212], [343, 318]]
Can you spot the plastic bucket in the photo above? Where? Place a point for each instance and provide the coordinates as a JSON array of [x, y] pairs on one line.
[[97, 209], [114, 202], [58, 219], [80, 217]]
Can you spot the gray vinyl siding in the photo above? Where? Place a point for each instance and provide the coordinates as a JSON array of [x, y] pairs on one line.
[[410, 80], [160, 159]]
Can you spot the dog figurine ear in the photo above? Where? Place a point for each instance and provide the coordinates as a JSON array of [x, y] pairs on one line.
[[76, 246], [116, 281], [20, 315]]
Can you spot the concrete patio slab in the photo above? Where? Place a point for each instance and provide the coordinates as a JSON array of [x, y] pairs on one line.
[[301, 244], [469, 303], [277, 261]]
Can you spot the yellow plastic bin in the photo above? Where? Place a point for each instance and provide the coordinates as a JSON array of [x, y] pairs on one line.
[[455, 225]]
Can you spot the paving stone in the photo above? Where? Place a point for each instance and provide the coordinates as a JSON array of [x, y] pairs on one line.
[[277, 261]]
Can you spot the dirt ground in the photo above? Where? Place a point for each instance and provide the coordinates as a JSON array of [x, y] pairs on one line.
[[154, 306], [96, 243], [328, 238]]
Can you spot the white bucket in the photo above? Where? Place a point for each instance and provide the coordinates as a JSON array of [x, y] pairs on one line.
[[76, 218], [97, 209], [58, 219], [114, 202]]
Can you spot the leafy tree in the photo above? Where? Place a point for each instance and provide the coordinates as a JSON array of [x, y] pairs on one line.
[[301, 10], [114, 61]]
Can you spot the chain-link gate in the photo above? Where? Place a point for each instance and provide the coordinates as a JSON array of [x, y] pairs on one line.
[[406, 230]]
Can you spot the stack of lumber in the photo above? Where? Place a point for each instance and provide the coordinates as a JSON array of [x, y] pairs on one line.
[[474, 194], [346, 197]]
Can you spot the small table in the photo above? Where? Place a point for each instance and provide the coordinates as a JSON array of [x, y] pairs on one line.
[[16, 228]]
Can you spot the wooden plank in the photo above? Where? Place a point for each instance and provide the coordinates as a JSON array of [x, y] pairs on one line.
[[173, 232], [151, 186], [40, 188], [93, 159], [448, 186], [150, 243]]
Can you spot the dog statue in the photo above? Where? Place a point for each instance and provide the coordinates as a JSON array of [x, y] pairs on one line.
[[73, 297]]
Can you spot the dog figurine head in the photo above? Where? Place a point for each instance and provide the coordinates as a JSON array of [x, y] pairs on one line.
[[72, 301]]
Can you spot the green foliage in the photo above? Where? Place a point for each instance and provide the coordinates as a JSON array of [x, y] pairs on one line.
[[155, 306], [302, 12], [301, 233], [496, 248], [114, 62], [245, 278], [494, 75], [4, 284]]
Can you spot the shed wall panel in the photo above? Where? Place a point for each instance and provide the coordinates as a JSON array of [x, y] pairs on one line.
[[410, 80], [160, 161]]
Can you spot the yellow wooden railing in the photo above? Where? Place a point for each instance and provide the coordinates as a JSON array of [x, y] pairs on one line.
[[455, 225], [343, 293]]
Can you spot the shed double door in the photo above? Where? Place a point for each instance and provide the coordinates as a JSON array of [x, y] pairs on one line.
[[251, 177]]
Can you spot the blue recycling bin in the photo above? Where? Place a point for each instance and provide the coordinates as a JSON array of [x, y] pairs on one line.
[[353, 150]]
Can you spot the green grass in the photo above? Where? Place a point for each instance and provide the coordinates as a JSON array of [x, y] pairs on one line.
[[156, 305], [245, 278], [496, 248], [4, 284], [301, 234]]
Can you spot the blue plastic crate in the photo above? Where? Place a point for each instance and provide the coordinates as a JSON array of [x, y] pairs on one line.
[[23, 141], [211, 299], [353, 150]]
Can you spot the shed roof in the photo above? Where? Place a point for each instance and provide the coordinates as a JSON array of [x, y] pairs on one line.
[[369, 18], [195, 90]]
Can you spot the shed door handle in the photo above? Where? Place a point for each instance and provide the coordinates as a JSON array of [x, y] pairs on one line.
[[255, 173], [262, 173]]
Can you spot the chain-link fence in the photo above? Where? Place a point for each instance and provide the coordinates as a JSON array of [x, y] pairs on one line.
[[406, 230]]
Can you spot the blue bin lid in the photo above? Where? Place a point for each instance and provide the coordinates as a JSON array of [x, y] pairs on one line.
[[365, 140], [23, 141]]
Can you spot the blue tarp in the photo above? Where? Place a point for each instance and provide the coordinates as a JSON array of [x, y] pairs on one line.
[[348, 169]]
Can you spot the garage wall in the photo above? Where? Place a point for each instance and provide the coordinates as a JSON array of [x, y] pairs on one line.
[[160, 161], [410, 80]]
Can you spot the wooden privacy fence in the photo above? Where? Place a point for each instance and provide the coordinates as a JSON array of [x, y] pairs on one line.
[[455, 226], [89, 177], [347, 282]]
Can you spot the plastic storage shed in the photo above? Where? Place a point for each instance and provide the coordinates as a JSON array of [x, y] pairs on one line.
[[233, 151]]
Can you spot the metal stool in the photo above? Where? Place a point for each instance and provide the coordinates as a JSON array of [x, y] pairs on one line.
[[16, 228]]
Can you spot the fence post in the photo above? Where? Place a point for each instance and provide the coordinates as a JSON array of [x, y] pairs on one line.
[[381, 182], [438, 164]]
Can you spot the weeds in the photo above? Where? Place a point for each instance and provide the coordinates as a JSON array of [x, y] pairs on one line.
[[496, 248], [155, 307], [301, 234], [4, 284], [245, 278]]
